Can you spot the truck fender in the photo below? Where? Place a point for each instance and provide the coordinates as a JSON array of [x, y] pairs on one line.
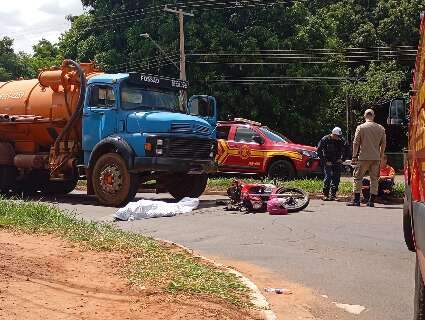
[[112, 144]]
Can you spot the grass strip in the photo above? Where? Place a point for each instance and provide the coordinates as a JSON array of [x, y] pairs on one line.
[[153, 263]]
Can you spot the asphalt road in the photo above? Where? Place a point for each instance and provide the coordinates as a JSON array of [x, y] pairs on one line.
[[355, 256]]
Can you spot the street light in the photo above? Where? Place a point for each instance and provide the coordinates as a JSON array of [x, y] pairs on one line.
[[147, 36]]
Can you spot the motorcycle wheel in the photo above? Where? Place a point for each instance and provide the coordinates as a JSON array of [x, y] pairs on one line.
[[294, 199]]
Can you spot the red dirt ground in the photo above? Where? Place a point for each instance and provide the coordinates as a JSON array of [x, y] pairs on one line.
[[43, 277]]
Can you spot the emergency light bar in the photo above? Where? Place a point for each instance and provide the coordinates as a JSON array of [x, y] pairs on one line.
[[242, 120]]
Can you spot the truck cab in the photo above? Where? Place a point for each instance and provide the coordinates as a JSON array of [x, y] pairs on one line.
[[135, 129]]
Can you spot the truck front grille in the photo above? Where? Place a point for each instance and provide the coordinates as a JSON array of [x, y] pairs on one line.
[[189, 148], [181, 127], [201, 129]]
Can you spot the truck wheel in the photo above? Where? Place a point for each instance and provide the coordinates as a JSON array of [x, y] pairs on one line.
[[187, 185], [282, 170], [112, 183], [60, 187], [407, 227], [419, 313]]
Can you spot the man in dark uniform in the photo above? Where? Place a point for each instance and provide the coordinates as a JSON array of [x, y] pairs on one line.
[[332, 152]]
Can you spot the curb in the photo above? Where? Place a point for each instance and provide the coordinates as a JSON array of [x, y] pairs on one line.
[[257, 298]]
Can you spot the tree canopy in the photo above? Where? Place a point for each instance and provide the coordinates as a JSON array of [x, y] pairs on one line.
[[293, 65]]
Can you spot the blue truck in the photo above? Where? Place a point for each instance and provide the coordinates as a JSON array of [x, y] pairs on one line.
[[117, 131]]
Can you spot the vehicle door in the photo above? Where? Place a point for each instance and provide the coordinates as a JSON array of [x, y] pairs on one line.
[[99, 115], [223, 133], [204, 107], [249, 146]]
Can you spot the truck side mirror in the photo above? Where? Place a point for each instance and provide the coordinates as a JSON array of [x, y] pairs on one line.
[[397, 112], [204, 107]]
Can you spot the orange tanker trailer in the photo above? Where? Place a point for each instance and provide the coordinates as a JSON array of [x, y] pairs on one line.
[[36, 153], [47, 143]]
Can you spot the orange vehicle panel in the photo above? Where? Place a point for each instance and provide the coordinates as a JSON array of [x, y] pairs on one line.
[[41, 108]]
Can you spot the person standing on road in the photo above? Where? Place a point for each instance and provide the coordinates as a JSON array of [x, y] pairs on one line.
[[332, 152], [368, 150]]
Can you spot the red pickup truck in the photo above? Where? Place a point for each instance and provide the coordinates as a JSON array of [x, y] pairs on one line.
[[246, 146]]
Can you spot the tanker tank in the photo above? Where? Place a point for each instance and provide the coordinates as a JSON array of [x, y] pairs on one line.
[[34, 112]]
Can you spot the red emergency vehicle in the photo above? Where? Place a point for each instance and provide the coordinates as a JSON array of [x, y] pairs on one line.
[[414, 202], [246, 146]]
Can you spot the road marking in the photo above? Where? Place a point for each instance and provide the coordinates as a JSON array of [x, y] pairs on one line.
[[353, 309]]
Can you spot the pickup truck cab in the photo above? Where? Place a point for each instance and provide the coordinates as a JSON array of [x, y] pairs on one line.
[[246, 146]]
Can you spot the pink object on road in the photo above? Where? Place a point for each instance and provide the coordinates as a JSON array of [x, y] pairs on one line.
[[275, 206]]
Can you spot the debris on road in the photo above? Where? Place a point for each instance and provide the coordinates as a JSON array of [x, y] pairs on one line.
[[353, 309], [278, 291], [146, 209]]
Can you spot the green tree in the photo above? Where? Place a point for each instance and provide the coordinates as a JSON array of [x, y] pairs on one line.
[[12, 66], [45, 55], [109, 34]]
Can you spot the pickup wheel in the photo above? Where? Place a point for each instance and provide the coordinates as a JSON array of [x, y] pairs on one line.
[[419, 313], [112, 183], [187, 185], [281, 169]]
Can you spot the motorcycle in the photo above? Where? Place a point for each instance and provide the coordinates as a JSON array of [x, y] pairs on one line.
[[253, 197]]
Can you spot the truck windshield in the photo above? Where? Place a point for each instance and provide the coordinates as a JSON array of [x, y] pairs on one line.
[[135, 97], [274, 136]]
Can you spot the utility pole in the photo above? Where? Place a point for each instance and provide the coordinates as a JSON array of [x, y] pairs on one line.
[[147, 36], [181, 15]]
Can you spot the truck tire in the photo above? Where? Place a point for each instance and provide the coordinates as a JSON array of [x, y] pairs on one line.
[[407, 226], [60, 187], [419, 313], [281, 170], [112, 183], [187, 185], [7, 179]]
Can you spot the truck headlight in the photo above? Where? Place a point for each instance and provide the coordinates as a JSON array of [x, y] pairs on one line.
[[159, 145]]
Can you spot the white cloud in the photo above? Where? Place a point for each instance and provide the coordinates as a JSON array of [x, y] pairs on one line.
[[28, 21]]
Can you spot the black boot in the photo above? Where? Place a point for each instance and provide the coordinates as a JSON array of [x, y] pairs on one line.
[[355, 202], [326, 195], [371, 202], [333, 194]]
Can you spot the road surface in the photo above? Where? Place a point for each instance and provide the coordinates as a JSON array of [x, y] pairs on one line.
[[354, 256]]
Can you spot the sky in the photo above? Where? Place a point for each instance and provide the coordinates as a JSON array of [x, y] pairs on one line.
[[28, 21]]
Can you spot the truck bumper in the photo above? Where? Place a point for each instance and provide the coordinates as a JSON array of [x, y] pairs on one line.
[[142, 164]]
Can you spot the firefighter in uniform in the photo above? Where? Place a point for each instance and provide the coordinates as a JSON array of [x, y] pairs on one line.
[[368, 150]]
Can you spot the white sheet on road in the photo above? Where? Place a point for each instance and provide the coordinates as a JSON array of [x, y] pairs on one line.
[[146, 209]]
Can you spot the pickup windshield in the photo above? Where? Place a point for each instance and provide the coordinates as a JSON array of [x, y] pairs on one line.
[[274, 136], [135, 97]]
